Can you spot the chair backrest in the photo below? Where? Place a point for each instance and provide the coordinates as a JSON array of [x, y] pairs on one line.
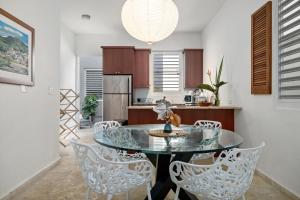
[[105, 125], [208, 124], [93, 167], [235, 168], [103, 174]]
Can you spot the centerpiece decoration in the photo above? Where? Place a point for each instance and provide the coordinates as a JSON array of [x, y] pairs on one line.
[[214, 87], [165, 113]]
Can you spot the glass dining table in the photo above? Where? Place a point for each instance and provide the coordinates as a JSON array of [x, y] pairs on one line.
[[161, 151]]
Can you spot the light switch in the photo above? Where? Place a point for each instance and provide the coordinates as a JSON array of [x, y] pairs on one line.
[[51, 90], [23, 89]]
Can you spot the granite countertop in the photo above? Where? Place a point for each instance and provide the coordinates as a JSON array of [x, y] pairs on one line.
[[186, 107]]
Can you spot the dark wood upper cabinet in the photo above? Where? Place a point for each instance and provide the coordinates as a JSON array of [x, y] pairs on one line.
[[193, 67], [118, 59], [141, 68]]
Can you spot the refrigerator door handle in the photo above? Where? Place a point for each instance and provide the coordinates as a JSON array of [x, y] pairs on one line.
[[128, 90]]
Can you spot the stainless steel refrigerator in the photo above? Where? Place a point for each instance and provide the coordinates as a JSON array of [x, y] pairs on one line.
[[117, 96]]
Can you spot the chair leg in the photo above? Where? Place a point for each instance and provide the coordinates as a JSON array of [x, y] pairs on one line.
[[213, 158], [177, 193], [88, 195], [109, 196], [243, 197], [127, 195], [149, 191]]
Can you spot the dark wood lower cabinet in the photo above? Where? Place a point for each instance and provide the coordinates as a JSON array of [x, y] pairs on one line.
[[188, 116]]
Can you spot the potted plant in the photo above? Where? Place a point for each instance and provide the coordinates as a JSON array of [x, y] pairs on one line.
[[89, 107], [214, 87]]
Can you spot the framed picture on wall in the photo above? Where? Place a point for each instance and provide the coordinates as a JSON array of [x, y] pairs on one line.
[[16, 50]]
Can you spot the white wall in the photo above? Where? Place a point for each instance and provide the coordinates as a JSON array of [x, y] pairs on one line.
[[29, 121], [263, 117], [90, 45], [67, 59]]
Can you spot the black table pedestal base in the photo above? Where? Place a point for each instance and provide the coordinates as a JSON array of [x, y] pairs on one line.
[[163, 183]]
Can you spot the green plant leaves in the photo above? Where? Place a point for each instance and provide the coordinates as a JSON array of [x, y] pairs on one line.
[[218, 76], [89, 107], [220, 84], [214, 88], [206, 87]]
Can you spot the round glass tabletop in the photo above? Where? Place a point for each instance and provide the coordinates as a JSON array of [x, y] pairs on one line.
[[195, 140]]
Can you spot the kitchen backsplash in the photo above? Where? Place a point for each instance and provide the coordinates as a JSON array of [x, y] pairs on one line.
[[145, 96]]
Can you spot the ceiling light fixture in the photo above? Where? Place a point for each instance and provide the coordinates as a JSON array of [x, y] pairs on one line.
[[149, 20], [86, 17]]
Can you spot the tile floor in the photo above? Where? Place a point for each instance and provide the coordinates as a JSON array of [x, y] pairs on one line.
[[64, 182]]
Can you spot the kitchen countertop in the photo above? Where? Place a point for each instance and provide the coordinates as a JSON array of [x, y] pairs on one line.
[[187, 107]]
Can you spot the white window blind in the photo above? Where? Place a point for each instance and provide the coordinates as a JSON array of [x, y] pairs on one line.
[[289, 49], [166, 71], [94, 82]]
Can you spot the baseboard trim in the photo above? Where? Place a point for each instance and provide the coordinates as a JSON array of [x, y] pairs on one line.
[[22, 186], [277, 185]]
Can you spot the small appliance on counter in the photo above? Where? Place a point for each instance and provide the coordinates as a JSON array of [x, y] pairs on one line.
[[189, 99]]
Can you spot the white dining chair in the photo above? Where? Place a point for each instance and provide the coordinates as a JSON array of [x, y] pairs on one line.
[[205, 124], [227, 179], [104, 127], [104, 175]]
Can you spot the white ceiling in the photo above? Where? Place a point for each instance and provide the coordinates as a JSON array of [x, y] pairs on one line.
[[106, 15]]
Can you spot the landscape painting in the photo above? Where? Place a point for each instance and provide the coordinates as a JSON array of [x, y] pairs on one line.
[[16, 50], [13, 50]]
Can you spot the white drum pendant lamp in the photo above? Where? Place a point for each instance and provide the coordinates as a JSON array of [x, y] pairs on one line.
[[149, 20]]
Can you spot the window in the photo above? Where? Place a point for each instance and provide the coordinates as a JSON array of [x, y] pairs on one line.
[[289, 49], [166, 69], [93, 82]]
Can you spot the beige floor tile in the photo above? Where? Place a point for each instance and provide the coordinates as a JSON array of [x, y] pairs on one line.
[[64, 182]]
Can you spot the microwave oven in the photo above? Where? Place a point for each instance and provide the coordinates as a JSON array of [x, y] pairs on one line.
[[189, 99]]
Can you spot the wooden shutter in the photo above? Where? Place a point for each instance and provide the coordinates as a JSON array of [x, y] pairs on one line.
[[261, 54]]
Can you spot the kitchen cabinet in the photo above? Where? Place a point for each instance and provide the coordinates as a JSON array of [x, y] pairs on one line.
[[193, 67], [188, 114], [118, 59], [141, 68]]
